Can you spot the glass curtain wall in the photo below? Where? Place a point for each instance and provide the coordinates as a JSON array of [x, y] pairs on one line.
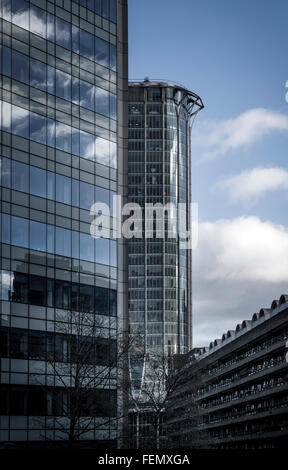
[[59, 72]]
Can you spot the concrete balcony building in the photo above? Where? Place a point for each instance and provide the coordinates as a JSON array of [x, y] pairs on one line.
[[243, 394]]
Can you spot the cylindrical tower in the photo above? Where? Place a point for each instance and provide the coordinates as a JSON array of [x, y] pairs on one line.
[[160, 306]]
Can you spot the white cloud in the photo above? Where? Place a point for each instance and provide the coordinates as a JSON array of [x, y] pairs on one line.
[[218, 138], [239, 266], [243, 248], [251, 184]]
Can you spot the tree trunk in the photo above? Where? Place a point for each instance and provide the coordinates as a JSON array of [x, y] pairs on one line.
[[137, 430], [71, 438], [157, 432]]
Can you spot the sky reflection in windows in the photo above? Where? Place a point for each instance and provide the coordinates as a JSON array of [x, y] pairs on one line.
[[38, 236], [61, 32], [46, 78], [38, 21], [20, 176], [56, 134], [37, 181], [43, 183], [37, 74]]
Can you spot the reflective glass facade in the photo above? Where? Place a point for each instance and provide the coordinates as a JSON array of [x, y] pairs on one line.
[[159, 172], [61, 67]]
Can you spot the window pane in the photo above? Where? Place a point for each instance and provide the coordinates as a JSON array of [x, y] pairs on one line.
[[87, 95], [50, 238], [63, 85], [75, 141], [37, 181], [105, 9], [74, 296], [38, 74], [75, 90], [102, 151], [113, 154], [63, 242], [5, 172], [63, 137], [113, 302], [75, 193], [102, 52], [4, 351], [113, 253], [102, 300], [112, 57], [20, 176], [20, 13], [50, 27], [86, 247], [113, 11], [103, 196], [75, 39], [19, 232], [36, 351], [6, 278], [84, 3], [50, 185], [112, 106], [51, 80], [86, 145], [63, 33], [86, 298], [50, 292], [51, 132], [37, 21], [98, 7], [38, 128], [17, 403], [6, 9], [86, 44], [58, 294], [75, 244], [102, 102], [20, 288], [113, 194], [102, 250], [18, 344], [20, 67], [6, 61], [62, 294], [20, 121], [86, 195], [6, 116], [37, 290], [5, 235], [63, 189], [37, 236]]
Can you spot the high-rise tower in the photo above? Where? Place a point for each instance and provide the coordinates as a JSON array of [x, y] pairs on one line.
[[160, 307]]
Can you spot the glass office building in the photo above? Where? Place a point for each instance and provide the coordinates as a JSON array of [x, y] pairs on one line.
[[63, 75], [160, 310]]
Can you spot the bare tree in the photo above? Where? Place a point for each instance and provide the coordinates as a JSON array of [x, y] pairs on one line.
[[163, 404], [84, 375]]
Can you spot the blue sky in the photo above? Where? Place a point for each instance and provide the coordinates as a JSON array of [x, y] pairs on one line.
[[234, 55]]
